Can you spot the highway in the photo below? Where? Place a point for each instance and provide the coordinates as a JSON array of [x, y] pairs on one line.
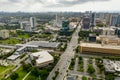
[[65, 59]]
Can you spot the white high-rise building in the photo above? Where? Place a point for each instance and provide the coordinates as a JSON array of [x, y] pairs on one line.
[[33, 22], [26, 26]]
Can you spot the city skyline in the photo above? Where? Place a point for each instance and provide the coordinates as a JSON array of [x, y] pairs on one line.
[[59, 5]]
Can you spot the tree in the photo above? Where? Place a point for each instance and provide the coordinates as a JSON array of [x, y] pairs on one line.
[[35, 71], [26, 67], [110, 77], [14, 76], [77, 49], [101, 66], [90, 69], [84, 78]]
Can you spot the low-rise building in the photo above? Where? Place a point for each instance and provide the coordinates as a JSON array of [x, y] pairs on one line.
[[92, 37], [99, 48], [4, 34], [42, 58]]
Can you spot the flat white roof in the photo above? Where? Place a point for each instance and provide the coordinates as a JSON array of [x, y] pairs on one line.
[[40, 44], [43, 56], [44, 44], [13, 57]]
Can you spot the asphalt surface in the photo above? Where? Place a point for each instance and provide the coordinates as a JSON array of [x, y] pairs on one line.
[[65, 58]]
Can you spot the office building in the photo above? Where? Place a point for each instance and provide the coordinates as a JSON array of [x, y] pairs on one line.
[[65, 25], [118, 21], [28, 28], [33, 22], [93, 19], [25, 26], [99, 48], [86, 23], [65, 30], [4, 34], [113, 20], [108, 19]]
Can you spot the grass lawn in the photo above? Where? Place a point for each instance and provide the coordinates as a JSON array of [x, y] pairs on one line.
[[10, 41], [5, 70], [21, 74], [25, 36]]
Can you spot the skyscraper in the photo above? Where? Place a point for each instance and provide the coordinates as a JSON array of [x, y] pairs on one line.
[[113, 21], [65, 25], [93, 16], [32, 22], [108, 19], [118, 21], [86, 22]]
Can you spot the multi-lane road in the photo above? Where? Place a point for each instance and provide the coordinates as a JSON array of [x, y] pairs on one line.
[[65, 58]]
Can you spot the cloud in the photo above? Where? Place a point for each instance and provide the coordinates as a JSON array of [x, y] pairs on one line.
[[48, 5], [66, 3]]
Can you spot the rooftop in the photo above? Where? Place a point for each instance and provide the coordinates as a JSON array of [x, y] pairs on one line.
[[95, 45], [43, 56]]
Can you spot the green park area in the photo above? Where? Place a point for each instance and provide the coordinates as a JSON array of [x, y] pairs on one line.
[[5, 70], [20, 74], [10, 41], [25, 36]]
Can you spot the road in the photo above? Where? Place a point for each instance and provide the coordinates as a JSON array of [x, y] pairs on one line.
[[8, 46], [65, 58]]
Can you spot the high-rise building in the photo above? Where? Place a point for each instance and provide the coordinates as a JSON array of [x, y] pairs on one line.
[[118, 21], [26, 26], [65, 25], [65, 28], [108, 19], [86, 22], [33, 22], [93, 22], [113, 21]]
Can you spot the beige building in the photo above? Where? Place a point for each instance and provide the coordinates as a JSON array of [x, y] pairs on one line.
[[98, 48], [109, 40], [4, 34]]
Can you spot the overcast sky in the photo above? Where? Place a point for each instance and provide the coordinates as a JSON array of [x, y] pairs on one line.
[[59, 5]]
